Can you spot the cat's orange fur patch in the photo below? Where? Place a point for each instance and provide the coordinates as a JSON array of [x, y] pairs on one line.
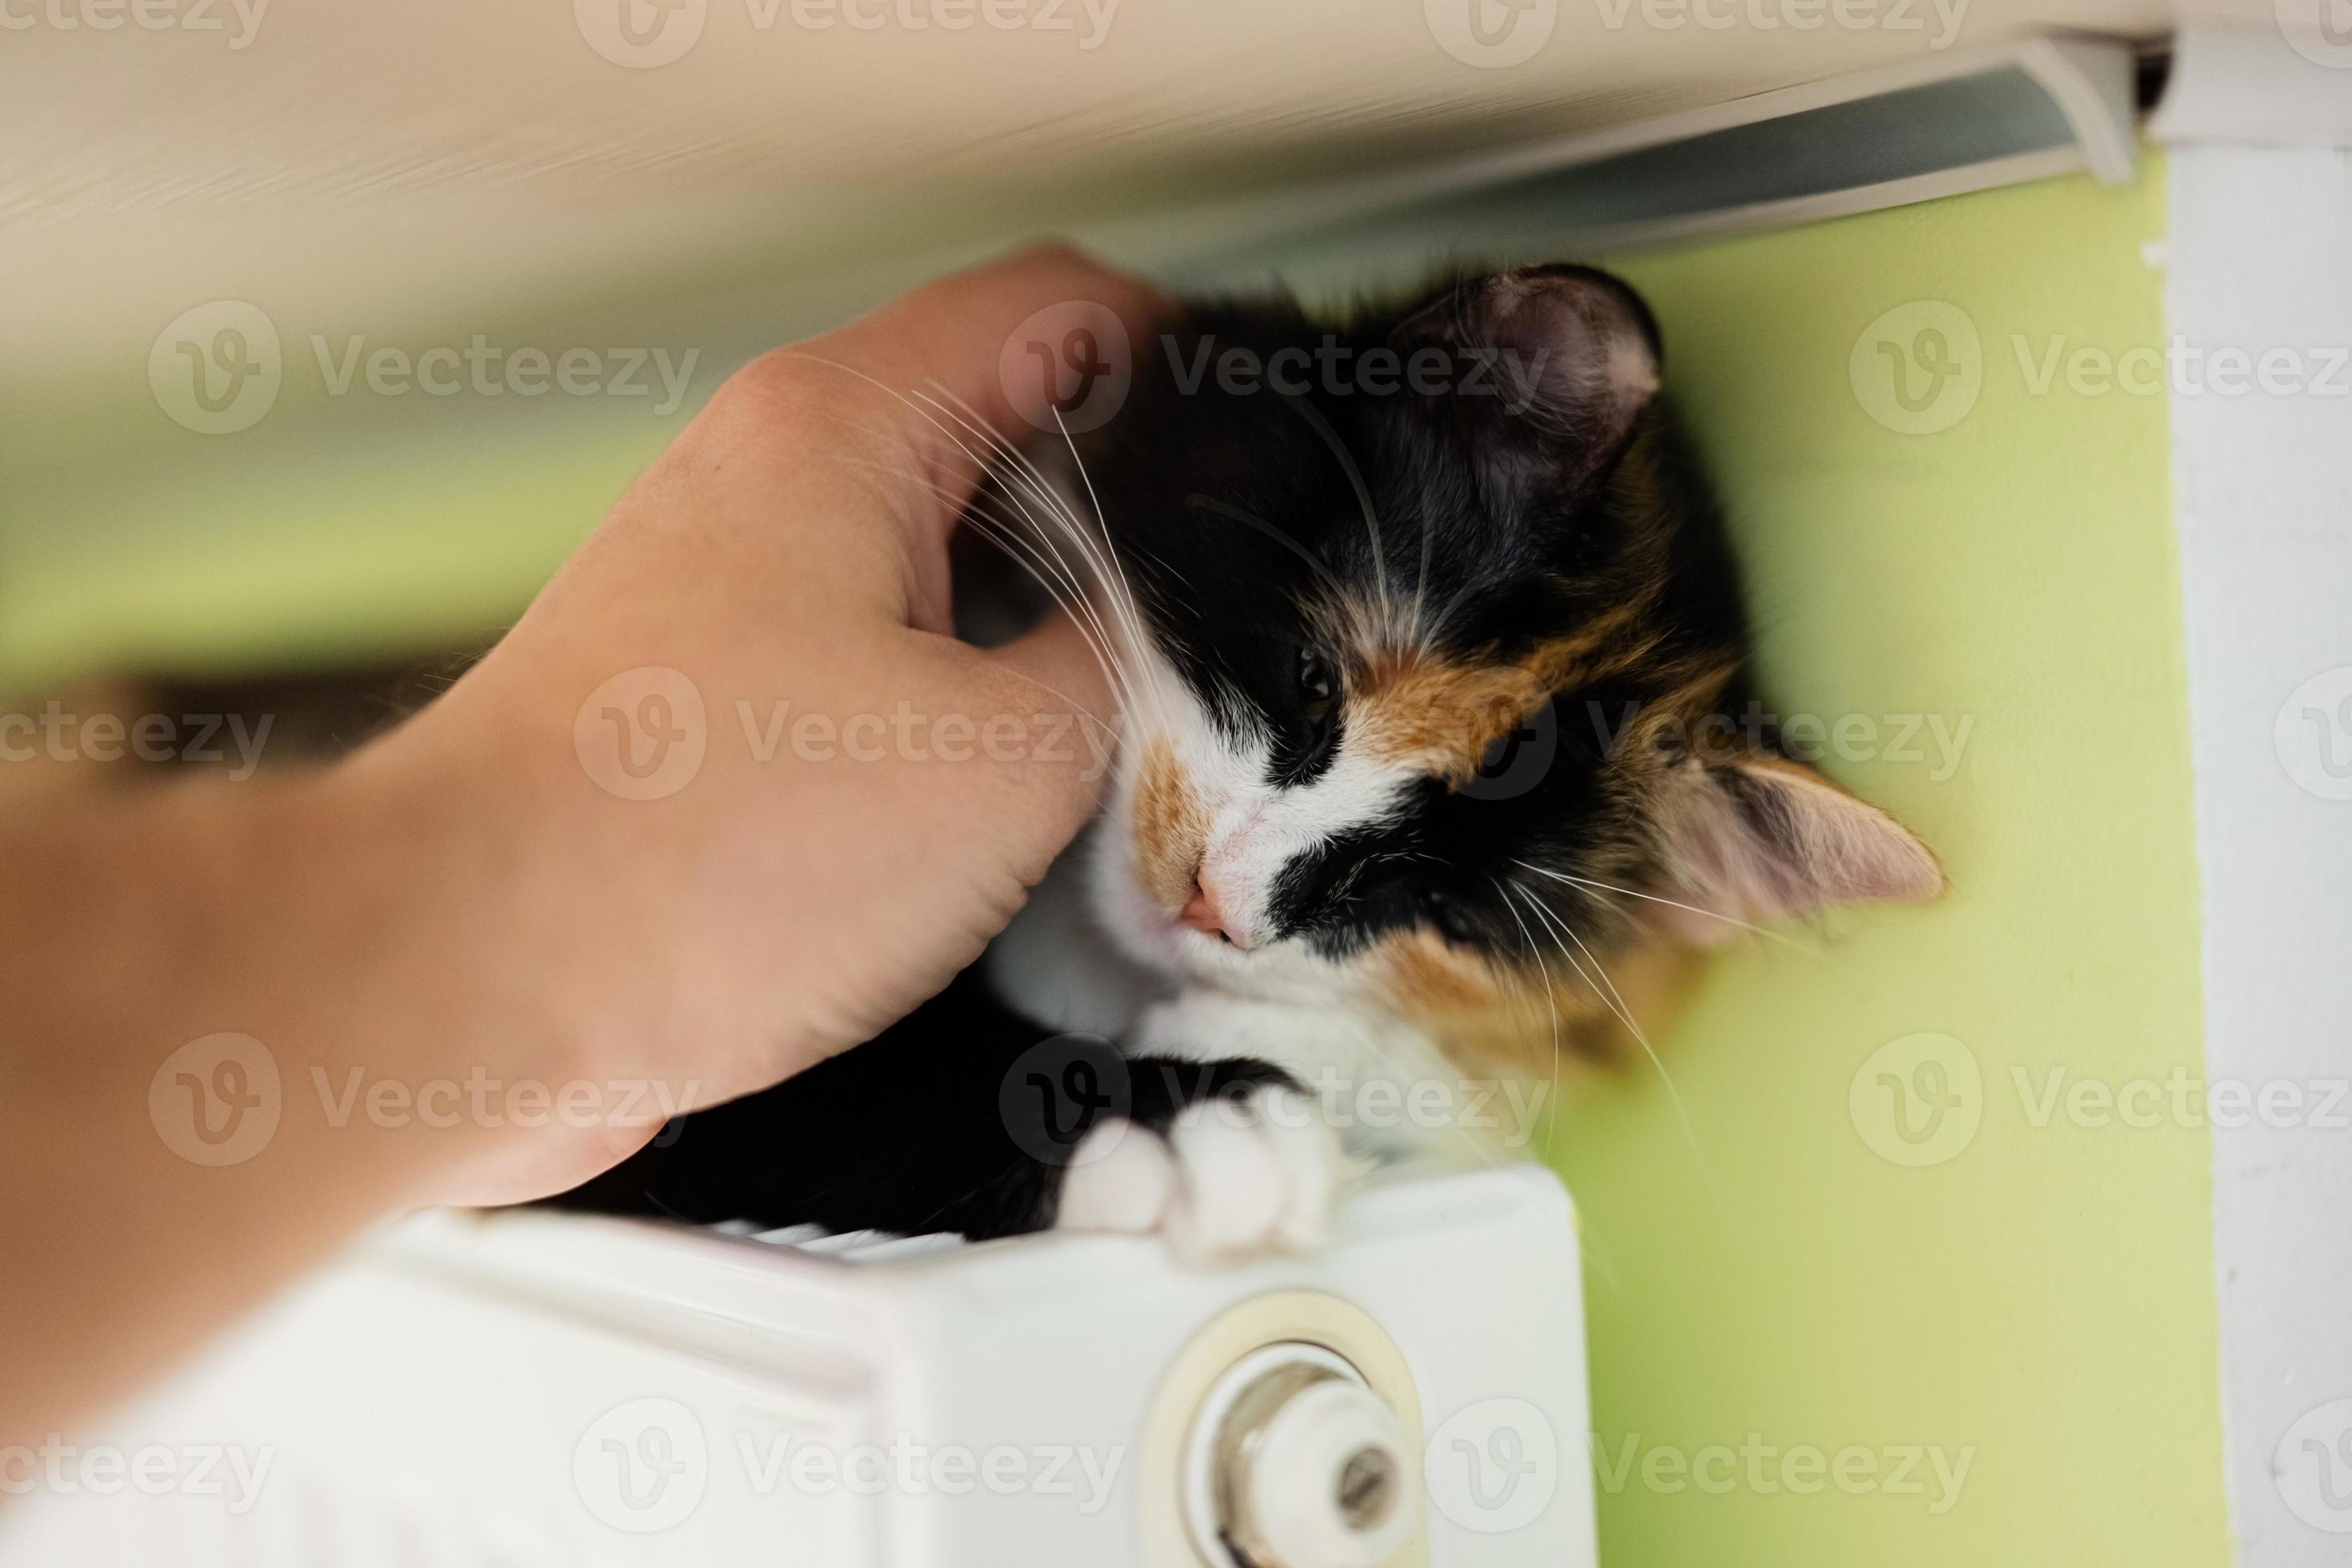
[[1491, 1015], [1419, 712], [1413, 708], [1425, 976], [1479, 1018], [1171, 827]]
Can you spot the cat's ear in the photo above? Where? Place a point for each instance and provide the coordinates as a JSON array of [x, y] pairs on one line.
[[1574, 355], [1757, 837]]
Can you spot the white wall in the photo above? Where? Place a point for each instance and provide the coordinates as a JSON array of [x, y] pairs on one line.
[[2259, 259]]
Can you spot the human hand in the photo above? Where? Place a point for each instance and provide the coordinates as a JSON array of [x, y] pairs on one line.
[[786, 556]]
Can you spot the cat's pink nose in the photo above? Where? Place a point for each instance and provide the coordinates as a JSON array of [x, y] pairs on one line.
[[1205, 914]]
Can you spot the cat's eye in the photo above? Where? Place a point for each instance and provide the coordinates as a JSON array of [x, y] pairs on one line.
[[1317, 687]]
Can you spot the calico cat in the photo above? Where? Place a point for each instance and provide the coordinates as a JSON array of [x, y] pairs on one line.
[[1436, 736]]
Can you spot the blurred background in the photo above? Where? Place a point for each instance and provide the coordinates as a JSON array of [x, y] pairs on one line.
[[431, 174]]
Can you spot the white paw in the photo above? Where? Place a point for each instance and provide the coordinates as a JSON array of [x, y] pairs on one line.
[[1234, 1179]]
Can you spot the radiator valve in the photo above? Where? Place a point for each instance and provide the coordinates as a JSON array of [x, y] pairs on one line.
[[1310, 1466]]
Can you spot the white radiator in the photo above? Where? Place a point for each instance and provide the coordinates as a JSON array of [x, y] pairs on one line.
[[532, 1388]]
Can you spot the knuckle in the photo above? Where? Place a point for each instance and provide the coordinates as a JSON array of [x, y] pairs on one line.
[[782, 380]]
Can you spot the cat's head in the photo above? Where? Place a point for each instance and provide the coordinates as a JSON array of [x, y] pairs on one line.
[[1438, 704]]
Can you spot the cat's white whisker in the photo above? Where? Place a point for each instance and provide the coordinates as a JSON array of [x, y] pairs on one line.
[[1073, 597], [1593, 983], [1551, 1006], [1673, 1095], [1616, 999], [1067, 594], [1113, 668], [1073, 603], [1093, 543], [1117, 573], [1017, 469], [1053, 577], [1588, 882]]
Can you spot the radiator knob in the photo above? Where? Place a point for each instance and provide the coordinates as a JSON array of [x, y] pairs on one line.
[[1314, 1473]]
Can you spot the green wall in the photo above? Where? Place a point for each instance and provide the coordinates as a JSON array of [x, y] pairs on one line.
[[2039, 1294]]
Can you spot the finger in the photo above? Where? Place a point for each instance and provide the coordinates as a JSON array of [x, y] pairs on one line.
[[551, 1161], [984, 356]]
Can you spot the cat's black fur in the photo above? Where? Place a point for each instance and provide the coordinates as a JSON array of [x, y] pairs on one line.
[[961, 1118]]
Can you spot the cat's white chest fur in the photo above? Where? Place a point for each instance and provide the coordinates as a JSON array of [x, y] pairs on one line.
[[1231, 1177]]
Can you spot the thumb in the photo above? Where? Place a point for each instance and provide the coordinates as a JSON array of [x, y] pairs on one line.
[[1058, 655]]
